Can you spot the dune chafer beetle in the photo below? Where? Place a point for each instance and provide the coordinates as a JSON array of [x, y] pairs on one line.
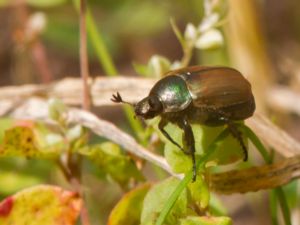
[[211, 96]]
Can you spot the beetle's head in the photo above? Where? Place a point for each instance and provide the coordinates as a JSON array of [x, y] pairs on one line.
[[149, 107]]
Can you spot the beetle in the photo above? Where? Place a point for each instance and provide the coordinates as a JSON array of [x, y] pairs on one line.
[[211, 96]]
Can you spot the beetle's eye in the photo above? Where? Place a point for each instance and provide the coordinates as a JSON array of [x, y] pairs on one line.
[[154, 103]]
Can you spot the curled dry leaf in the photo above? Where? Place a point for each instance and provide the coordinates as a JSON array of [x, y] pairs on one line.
[[256, 178]]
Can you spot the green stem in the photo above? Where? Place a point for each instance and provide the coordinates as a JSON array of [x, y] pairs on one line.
[[273, 207], [268, 159], [188, 178], [260, 147], [135, 124], [110, 69], [99, 46], [284, 205]]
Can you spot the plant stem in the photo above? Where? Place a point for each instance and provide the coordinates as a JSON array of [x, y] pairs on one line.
[[283, 205], [84, 70], [255, 140], [101, 51], [187, 55], [273, 207], [75, 166], [188, 178]]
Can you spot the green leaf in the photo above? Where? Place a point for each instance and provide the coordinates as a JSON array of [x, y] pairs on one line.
[[113, 161], [42, 204], [199, 193], [206, 220], [15, 181], [216, 206], [27, 142], [158, 65], [188, 178], [45, 3], [157, 197], [292, 194], [179, 162], [141, 69], [5, 123], [129, 208], [227, 152], [56, 109]]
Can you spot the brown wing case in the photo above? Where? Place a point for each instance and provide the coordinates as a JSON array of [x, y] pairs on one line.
[[217, 87]]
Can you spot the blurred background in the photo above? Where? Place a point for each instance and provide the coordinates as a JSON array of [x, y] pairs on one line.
[[39, 42]]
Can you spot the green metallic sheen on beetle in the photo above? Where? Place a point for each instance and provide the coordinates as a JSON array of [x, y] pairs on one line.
[[211, 96]]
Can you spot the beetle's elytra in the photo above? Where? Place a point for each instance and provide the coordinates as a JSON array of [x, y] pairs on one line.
[[211, 96]]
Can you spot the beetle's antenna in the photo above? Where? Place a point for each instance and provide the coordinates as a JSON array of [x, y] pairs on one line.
[[118, 99]]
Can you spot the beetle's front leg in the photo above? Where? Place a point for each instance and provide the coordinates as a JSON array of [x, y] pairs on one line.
[[161, 127], [190, 142]]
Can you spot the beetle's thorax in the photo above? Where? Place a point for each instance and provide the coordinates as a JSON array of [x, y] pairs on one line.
[[173, 93]]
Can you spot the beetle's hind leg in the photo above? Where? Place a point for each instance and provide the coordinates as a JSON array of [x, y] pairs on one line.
[[233, 130], [238, 136]]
